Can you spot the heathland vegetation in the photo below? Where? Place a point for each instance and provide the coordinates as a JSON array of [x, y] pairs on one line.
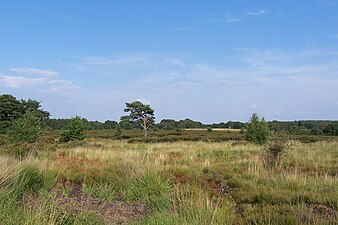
[[75, 171]]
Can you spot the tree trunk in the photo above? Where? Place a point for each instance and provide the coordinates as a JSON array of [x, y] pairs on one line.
[[145, 133], [145, 127]]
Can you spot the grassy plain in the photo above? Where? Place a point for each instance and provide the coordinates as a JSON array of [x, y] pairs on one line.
[[105, 181]]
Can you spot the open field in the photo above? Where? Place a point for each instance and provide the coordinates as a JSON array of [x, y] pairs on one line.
[[156, 136], [169, 112], [104, 181]]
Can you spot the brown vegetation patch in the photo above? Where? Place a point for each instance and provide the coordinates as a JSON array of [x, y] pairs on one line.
[[216, 184], [180, 178], [175, 155], [323, 210], [116, 212], [82, 162], [315, 210]]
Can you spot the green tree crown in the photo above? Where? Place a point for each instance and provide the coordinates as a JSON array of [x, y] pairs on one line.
[[141, 113], [26, 128], [257, 130], [75, 131]]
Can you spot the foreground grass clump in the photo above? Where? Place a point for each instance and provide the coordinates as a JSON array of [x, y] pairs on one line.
[[153, 189], [20, 181], [179, 182]]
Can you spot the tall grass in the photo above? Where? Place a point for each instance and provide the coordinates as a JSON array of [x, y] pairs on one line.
[[30, 177], [181, 182]]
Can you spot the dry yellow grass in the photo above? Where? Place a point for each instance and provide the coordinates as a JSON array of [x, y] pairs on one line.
[[209, 183]]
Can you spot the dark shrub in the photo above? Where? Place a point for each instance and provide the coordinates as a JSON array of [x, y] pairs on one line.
[[118, 132], [75, 130], [331, 129], [257, 130], [25, 129]]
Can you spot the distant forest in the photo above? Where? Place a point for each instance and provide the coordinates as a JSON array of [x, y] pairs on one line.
[[302, 127], [12, 108]]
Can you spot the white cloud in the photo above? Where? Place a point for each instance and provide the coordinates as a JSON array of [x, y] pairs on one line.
[[228, 19], [257, 12], [20, 81], [35, 71], [291, 64], [174, 62], [278, 83], [187, 28], [43, 80], [131, 60], [251, 65]]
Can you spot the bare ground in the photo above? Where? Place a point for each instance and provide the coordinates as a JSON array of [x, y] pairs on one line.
[[116, 212]]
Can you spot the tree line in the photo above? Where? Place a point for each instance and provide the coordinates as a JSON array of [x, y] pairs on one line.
[[12, 109], [165, 124]]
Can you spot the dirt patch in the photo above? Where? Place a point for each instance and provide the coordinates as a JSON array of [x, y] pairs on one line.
[[216, 184], [116, 212], [239, 209], [323, 210], [314, 211], [180, 178]]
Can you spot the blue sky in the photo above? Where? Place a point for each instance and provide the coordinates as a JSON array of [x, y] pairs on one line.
[[210, 61]]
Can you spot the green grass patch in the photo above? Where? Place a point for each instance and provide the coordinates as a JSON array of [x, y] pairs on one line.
[[152, 188]]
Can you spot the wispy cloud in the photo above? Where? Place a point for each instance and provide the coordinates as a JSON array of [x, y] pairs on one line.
[[262, 80], [256, 65], [113, 63], [35, 71], [187, 28], [131, 60], [228, 19], [42, 80], [257, 12]]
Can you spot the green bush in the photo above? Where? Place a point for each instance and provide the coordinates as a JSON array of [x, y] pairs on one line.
[[276, 150], [75, 130], [25, 129], [257, 130], [118, 132], [331, 129]]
